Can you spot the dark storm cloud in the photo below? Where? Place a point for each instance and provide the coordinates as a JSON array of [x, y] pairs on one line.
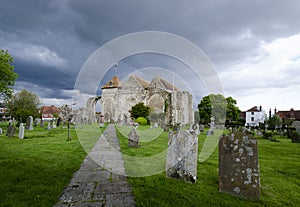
[[62, 34]]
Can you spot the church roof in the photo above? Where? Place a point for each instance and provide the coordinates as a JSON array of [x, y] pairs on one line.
[[142, 82], [113, 83], [168, 85]]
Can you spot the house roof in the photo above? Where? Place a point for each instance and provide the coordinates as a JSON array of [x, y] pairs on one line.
[[291, 114], [49, 110], [253, 109], [113, 83]]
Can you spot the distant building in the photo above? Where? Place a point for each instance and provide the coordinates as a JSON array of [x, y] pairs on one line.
[[293, 115], [254, 116], [119, 97], [47, 112], [4, 115]]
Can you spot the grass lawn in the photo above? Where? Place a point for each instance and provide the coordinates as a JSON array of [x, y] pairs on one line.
[[34, 171], [279, 176]]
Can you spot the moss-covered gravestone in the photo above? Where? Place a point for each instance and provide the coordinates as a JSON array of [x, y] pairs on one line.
[[238, 165], [182, 156], [133, 138]]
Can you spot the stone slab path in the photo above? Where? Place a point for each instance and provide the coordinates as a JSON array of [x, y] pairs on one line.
[[101, 179]]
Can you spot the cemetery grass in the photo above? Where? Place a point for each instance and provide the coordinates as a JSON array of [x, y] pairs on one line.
[[279, 178], [34, 171]]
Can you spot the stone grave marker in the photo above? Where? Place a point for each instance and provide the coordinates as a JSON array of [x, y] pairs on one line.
[[29, 123], [42, 123], [201, 128], [21, 131], [238, 165], [53, 124], [11, 130], [1, 131], [295, 137], [133, 138], [182, 156], [49, 126]]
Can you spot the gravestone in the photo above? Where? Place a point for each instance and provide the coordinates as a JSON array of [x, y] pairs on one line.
[[11, 130], [29, 123], [133, 138], [295, 137], [238, 165], [155, 125], [49, 126], [201, 128], [21, 131], [182, 156], [53, 124], [1, 131], [259, 133], [42, 123]]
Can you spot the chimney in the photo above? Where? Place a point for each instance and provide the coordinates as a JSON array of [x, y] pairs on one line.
[[270, 113], [260, 108], [275, 110]]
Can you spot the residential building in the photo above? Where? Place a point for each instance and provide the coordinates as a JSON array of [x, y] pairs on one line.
[[48, 112], [254, 116]]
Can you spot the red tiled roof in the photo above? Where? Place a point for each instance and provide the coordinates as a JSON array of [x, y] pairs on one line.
[[49, 110], [113, 83], [253, 109], [292, 114]]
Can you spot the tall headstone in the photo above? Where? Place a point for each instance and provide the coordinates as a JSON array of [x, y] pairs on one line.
[[21, 131], [182, 156], [29, 123], [53, 124], [133, 138], [42, 123], [11, 130], [49, 126], [238, 165]]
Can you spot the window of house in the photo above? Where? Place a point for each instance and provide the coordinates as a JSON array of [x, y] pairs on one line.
[[252, 113], [252, 118]]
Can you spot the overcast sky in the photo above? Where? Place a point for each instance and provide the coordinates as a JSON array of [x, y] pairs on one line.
[[254, 45]]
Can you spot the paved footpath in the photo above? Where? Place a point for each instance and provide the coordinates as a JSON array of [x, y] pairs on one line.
[[103, 184]]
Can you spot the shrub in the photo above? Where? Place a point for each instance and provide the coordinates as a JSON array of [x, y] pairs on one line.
[[141, 121], [268, 135]]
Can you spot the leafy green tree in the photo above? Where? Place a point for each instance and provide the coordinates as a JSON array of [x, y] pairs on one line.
[[274, 121], [218, 106], [232, 111], [7, 74], [24, 104], [140, 110]]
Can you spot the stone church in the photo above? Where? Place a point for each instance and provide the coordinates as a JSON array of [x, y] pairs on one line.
[[161, 96]]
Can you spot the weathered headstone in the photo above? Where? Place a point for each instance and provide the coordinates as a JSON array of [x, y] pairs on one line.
[[133, 138], [49, 126], [238, 165], [182, 156], [11, 130], [21, 131], [29, 123], [295, 137], [259, 133], [42, 123], [155, 125], [1, 131], [53, 124], [201, 128]]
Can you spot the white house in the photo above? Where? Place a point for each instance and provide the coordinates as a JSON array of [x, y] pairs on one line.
[[254, 116]]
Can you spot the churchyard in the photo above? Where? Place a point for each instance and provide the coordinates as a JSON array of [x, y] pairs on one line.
[[35, 169]]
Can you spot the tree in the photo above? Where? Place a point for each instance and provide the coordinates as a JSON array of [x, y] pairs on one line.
[[232, 111], [274, 121], [140, 110], [24, 104], [7, 74], [218, 106]]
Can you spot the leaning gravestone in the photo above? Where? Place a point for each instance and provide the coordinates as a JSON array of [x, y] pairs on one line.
[[21, 131], [29, 123], [238, 165], [133, 138], [11, 130], [182, 156]]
